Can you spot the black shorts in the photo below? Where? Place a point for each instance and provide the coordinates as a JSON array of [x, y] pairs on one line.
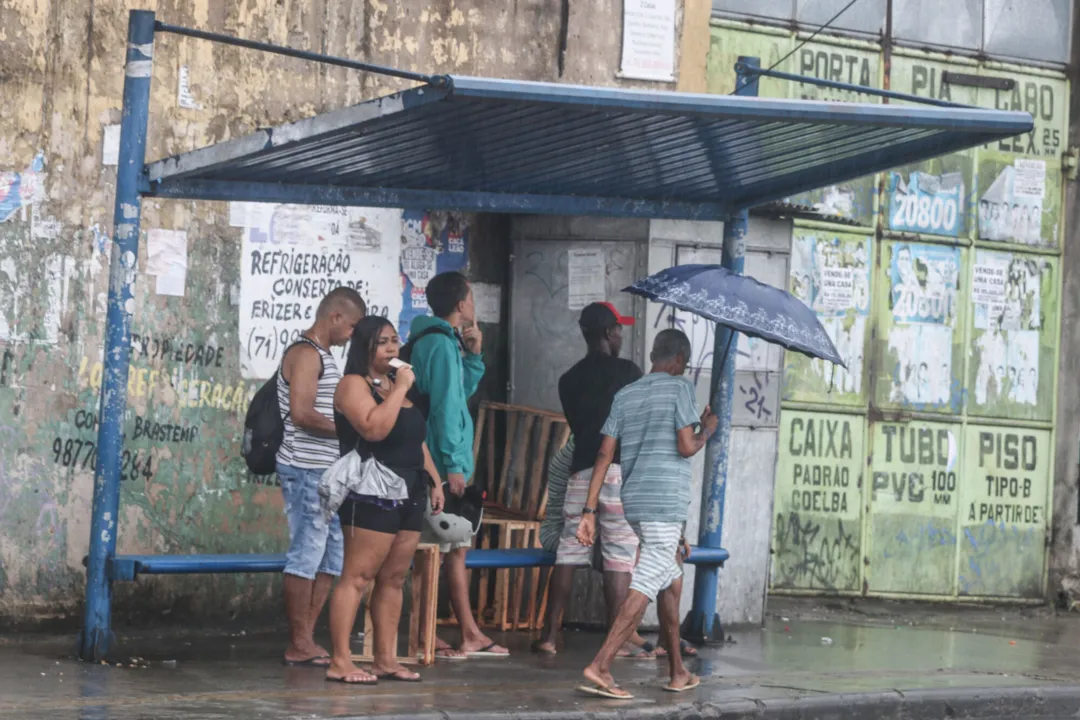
[[369, 516]]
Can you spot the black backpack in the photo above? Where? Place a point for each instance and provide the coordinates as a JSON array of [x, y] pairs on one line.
[[421, 400], [264, 427]]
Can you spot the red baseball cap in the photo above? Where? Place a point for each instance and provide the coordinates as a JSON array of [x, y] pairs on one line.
[[601, 316]]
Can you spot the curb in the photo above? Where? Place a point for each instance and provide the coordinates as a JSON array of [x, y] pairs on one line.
[[982, 703]]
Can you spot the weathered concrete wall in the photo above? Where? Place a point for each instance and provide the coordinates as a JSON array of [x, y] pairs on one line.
[[185, 489]]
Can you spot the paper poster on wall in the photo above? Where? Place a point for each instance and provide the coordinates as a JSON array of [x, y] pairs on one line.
[[1012, 208], [431, 243], [110, 145], [586, 270], [830, 273], [488, 300], [293, 255], [19, 189], [925, 203], [648, 51], [166, 259], [923, 282], [837, 287]]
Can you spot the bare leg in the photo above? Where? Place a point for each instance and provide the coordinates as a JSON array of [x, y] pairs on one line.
[[668, 611], [626, 622], [386, 604], [304, 600], [365, 551], [616, 585], [561, 583], [320, 593], [457, 577]]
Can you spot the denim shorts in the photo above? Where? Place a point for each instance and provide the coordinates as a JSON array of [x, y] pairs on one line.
[[316, 544]]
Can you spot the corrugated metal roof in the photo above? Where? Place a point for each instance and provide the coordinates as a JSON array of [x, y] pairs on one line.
[[511, 146]]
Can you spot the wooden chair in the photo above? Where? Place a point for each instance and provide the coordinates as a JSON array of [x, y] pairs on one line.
[[516, 502], [422, 619]]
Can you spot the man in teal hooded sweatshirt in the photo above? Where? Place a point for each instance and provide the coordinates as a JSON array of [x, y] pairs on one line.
[[448, 371]]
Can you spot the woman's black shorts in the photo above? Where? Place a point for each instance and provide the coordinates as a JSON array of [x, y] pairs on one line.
[[368, 516]]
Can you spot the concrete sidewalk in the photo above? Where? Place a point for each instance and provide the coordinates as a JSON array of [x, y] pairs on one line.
[[809, 661]]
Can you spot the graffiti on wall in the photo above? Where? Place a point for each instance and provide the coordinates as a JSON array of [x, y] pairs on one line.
[[818, 502], [431, 243], [292, 256], [914, 496], [830, 272]]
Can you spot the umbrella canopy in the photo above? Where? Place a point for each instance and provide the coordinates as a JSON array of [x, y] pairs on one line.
[[741, 303]]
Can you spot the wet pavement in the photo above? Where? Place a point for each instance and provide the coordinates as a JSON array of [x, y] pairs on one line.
[[870, 660]]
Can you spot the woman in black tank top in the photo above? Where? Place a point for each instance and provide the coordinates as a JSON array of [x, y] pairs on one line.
[[374, 417]]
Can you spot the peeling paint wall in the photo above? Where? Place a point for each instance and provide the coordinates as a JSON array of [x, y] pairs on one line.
[[185, 488]]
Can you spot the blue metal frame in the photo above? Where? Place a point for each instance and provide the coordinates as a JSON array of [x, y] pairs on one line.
[[702, 624], [94, 642], [438, 200], [129, 567]]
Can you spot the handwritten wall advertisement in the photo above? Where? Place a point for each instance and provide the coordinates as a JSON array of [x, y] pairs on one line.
[[293, 255]]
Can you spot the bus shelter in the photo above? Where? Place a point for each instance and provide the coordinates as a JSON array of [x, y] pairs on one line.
[[511, 147]]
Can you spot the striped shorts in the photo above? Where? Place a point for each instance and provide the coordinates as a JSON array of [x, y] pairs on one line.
[[618, 543], [657, 566]]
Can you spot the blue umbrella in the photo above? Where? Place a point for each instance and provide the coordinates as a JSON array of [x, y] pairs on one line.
[[740, 303]]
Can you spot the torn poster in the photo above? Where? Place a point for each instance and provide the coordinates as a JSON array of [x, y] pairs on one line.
[[19, 189]]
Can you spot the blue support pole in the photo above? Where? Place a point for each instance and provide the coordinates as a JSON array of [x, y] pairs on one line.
[[703, 624], [94, 642]]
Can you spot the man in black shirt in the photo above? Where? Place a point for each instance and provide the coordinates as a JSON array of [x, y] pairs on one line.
[[586, 392]]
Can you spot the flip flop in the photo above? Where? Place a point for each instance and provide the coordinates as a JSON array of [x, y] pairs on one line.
[[344, 680], [638, 653], [695, 681], [317, 661], [440, 655], [487, 653], [543, 651], [396, 677], [604, 692], [686, 649]]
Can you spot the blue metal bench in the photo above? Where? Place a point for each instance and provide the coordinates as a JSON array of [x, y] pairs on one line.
[[129, 567]]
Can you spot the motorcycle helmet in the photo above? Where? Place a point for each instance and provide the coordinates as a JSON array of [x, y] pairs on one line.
[[460, 519]]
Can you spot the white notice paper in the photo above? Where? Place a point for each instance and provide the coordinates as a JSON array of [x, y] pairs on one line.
[[837, 288], [1030, 179], [110, 145], [586, 269], [173, 284], [988, 282], [488, 300], [166, 258], [648, 51]]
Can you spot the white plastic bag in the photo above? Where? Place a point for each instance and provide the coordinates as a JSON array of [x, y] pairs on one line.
[[351, 473]]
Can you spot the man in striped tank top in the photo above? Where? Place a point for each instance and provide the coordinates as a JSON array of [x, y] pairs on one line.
[[306, 383]]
